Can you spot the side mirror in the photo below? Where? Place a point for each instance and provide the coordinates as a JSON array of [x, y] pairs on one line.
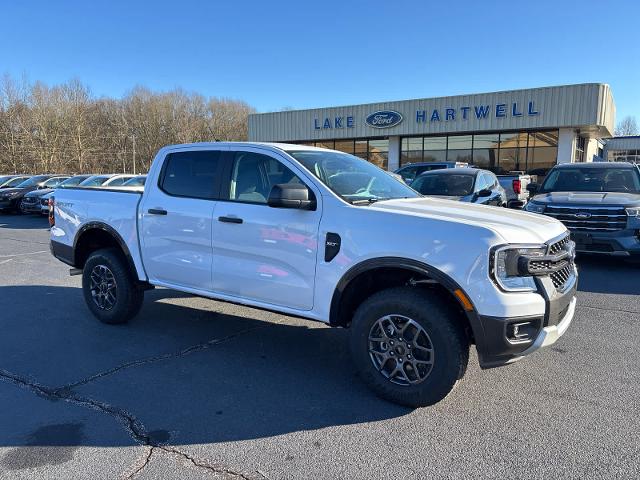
[[291, 195], [533, 188], [484, 193]]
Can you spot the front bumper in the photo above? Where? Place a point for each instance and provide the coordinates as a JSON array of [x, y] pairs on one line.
[[7, 204], [620, 243], [497, 347], [30, 207], [550, 335]]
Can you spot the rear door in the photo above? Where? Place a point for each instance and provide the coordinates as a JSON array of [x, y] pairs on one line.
[[176, 219], [262, 253]]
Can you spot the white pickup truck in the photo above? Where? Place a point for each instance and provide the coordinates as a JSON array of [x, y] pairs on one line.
[[327, 236]]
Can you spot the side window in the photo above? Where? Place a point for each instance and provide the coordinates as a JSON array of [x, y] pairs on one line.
[[118, 181], [192, 174], [481, 182], [409, 174], [254, 174], [491, 180]]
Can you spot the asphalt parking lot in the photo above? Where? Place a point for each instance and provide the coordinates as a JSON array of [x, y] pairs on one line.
[[194, 388]]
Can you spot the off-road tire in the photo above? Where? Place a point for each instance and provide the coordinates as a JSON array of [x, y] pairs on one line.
[[444, 329], [128, 295]]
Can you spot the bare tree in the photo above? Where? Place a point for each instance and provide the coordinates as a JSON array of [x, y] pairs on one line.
[[626, 126], [64, 129]]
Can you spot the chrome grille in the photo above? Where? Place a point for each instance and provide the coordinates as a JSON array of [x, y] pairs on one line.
[[583, 219]]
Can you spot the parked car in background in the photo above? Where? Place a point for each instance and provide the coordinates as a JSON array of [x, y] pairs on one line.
[[31, 201], [135, 181], [297, 230], [598, 202], [411, 171], [10, 198], [106, 180], [95, 180], [117, 180], [135, 184], [515, 186], [11, 181], [68, 183], [464, 184]]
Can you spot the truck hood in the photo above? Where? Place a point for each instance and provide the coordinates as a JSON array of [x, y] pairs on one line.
[[589, 198], [513, 226]]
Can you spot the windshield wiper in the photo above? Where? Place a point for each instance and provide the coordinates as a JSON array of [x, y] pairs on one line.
[[370, 200], [366, 201]]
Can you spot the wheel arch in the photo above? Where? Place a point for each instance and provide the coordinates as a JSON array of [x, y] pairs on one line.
[[345, 298], [93, 236]]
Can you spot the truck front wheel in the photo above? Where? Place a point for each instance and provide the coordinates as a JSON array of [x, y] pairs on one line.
[[408, 346], [109, 288]]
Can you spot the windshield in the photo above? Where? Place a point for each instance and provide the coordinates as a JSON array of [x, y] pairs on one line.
[[33, 181], [95, 181], [73, 181], [352, 178], [592, 180], [445, 184], [54, 182], [14, 182]]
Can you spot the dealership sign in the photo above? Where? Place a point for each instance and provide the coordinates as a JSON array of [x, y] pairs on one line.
[[383, 119], [391, 118]]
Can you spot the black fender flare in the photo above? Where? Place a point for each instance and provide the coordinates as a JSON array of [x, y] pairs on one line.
[[408, 264], [113, 233]]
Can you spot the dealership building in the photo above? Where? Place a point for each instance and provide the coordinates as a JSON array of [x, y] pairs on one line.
[[529, 130]]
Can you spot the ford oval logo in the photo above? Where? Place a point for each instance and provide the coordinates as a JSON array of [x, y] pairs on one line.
[[384, 119], [582, 215]]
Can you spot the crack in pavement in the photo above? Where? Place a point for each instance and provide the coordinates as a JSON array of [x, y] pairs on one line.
[[134, 427], [203, 464], [137, 469], [157, 358]]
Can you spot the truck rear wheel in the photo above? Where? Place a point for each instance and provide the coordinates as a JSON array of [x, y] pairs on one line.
[[408, 346], [109, 288]]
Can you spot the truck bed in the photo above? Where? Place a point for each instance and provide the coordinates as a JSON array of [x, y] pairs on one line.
[[81, 208]]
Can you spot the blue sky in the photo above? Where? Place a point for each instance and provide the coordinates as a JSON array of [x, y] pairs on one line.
[[313, 54]]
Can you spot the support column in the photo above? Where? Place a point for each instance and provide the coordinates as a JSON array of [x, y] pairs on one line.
[[566, 145], [394, 153], [590, 149]]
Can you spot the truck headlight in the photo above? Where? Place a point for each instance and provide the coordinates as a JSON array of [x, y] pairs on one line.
[[633, 212], [506, 269], [534, 207]]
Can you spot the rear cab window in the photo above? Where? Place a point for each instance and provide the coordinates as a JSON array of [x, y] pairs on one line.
[[192, 174]]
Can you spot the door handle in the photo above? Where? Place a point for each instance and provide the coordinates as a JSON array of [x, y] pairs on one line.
[[157, 211], [230, 219]]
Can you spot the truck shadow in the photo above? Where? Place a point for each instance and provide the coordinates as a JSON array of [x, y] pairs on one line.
[[190, 370], [611, 275]]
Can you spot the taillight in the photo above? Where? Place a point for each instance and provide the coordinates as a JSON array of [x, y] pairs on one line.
[[52, 207], [517, 186]]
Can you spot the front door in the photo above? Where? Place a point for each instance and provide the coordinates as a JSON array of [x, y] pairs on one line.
[[262, 253], [176, 220]]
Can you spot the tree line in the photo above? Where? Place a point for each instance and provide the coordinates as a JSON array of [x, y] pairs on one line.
[[65, 129]]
